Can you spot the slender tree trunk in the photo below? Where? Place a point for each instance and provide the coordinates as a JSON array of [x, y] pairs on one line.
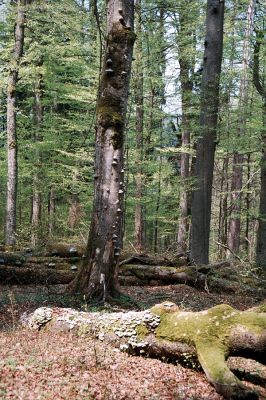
[[157, 207], [149, 231], [201, 202], [222, 228], [98, 275], [139, 208], [248, 204], [186, 67], [74, 211], [237, 176], [235, 208], [160, 89], [11, 125], [224, 211], [36, 196], [261, 237], [36, 213], [51, 211]]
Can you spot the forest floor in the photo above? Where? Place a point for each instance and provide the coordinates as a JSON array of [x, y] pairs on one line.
[[37, 366]]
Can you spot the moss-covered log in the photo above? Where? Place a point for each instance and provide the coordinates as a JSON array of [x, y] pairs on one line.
[[34, 275], [160, 275], [54, 270], [180, 259], [14, 258], [165, 331], [65, 250]]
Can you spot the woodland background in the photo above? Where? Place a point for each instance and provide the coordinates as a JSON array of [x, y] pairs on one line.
[[56, 97]]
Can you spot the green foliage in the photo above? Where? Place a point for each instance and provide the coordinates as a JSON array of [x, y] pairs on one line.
[[61, 63]]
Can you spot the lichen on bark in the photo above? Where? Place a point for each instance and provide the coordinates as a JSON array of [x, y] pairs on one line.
[[166, 332]]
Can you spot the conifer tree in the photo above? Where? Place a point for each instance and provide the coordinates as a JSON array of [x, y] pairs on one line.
[[201, 203]]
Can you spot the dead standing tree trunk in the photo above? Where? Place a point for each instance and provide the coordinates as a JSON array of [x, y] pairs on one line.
[[167, 332], [11, 125], [98, 276], [201, 203]]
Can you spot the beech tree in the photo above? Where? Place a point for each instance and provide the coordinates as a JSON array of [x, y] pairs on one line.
[[139, 208], [36, 195], [98, 276], [58, 80], [238, 158], [186, 61], [201, 203], [11, 124]]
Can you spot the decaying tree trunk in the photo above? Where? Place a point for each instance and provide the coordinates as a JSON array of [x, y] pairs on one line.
[[165, 331], [32, 274], [11, 125], [22, 269], [65, 250], [98, 277]]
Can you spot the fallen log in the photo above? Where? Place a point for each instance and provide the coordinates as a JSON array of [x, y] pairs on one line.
[[167, 332], [33, 275], [24, 258], [62, 272], [161, 274], [179, 260], [200, 277], [65, 250], [14, 258], [147, 259], [54, 271]]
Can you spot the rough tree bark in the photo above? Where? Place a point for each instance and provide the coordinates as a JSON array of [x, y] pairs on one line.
[[201, 202], [258, 83], [161, 91], [10, 232], [139, 208], [98, 276], [238, 158], [36, 195], [165, 331], [186, 62]]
